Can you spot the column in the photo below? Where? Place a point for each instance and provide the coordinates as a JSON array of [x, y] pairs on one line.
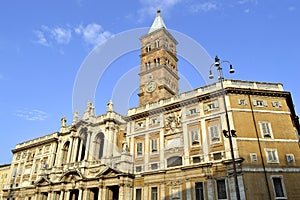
[[188, 190], [163, 191], [114, 144], [121, 192], [80, 194], [104, 193], [146, 192], [85, 194], [75, 150], [100, 193], [54, 155], [87, 146], [58, 154], [70, 150], [80, 149], [49, 197], [62, 194]]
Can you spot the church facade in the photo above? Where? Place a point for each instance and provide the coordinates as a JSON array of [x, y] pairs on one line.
[[172, 146]]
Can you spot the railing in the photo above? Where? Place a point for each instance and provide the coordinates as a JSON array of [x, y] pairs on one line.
[[207, 89]]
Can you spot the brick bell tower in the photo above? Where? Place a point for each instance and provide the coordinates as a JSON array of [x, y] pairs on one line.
[[158, 70]]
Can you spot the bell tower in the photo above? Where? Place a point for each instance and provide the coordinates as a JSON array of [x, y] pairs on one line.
[[158, 69]]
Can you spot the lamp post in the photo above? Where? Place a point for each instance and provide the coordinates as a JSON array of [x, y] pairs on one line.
[[227, 132]]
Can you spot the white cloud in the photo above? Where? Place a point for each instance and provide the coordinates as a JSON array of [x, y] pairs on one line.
[[204, 7], [41, 39], [31, 115], [46, 36], [93, 34], [61, 35]]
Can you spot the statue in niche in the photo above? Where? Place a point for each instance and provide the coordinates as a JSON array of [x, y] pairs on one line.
[[124, 144]]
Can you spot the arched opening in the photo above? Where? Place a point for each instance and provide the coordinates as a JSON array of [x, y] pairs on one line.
[[98, 145], [65, 150]]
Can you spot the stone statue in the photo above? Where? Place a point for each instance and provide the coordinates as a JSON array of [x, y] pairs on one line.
[[75, 116], [109, 106], [63, 121]]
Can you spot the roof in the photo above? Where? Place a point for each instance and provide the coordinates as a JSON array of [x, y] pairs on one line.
[[158, 23]]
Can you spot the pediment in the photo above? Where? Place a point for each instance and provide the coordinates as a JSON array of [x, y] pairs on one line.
[[108, 172], [71, 175], [43, 181]]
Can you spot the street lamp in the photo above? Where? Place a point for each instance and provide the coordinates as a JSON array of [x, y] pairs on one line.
[[227, 132]]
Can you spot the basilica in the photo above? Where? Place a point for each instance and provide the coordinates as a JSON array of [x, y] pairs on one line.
[[172, 146]]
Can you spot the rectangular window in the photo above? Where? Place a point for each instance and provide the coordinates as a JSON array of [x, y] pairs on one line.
[[154, 145], [242, 102], [253, 157], [196, 159], [154, 166], [154, 195], [290, 158], [272, 156], [199, 192], [138, 168], [194, 136], [214, 134], [139, 148], [276, 104], [217, 156], [260, 103], [265, 128], [278, 188], [36, 168], [154, 121], [221, 188], [138, 194], [211, 106]]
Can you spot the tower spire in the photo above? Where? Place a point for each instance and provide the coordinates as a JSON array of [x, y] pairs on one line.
[[158, 22]]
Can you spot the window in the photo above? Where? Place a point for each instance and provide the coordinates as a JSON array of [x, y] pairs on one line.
[[242, 102], [260, 103], [276, 104], [272, 156], [154, 195], [174, 161], [265, 128], [138, 168], [20, 170], [154, 121], [154, 145], [139, 125], [194, 136], [214, 134], [139, 148], [221, 189], [196, 159], [290, 158], [211, 106], [138, 194], [148, 48], [154, 166], [217, 156], [253, 157], [192, 111], [278, 188], [199, 192], [157, 43]]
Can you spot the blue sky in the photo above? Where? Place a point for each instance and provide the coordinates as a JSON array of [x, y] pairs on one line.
[[44, 43]]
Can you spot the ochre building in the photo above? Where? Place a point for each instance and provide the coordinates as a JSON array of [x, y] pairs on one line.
[[172, 146]]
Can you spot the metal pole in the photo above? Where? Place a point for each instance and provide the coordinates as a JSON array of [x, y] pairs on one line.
[[237, 191]]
